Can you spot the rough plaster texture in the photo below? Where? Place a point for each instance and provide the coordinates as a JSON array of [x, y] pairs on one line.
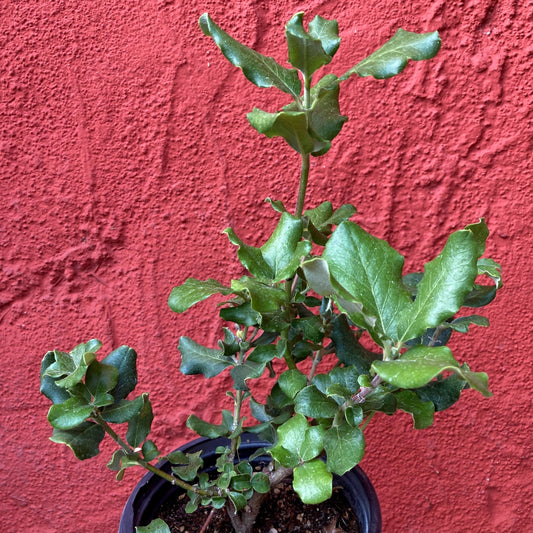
[[125, 151]]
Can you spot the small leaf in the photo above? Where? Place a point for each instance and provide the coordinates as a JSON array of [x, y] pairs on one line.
[[264, 298], [419, 365], [70, 368], [155, 526], [284, 249], [345, 447], [422, 411], [261, 70], [139, 426], [326, 118], [123, 410], [69, 414], [347, 348], [251, 258], [306, 51], [48, 384], [124, 359], [189, 464], [489, 267], [206, 429], [462, 324], [327, 32], [198, 359], [83, 440], [99, 380], [312, 403], [443, 392], [247, 370], [238, 500], [241, 314], [261, 483], [292, 381], [392, 57], [313, 482], [416, 367], [193, 291], [291, 125], [149, 451]]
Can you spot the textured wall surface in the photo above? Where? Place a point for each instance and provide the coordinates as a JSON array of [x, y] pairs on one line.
[[125, 151]]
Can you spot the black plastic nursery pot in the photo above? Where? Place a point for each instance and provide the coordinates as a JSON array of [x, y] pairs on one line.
[[152, 492]]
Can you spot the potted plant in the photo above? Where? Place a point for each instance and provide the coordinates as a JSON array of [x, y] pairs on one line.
[[326, 312]]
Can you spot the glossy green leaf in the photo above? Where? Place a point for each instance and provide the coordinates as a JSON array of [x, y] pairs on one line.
[[419, 365], [238, 500], [313, 482], [264, 298], [480, 296], [291, 125], [124, 359], [326, 118], [279, 257], [416, 367], [251, 258], [292, 381], [186, 466], [261, 483], [261, 70], [489, 267], [140, 425], [284, 249], [193, 291], [100, 379], [307, 50], [347, 348], [123, 410], [244, 371], [447, 281], [212, 431], [312, 403], [198, 359], [70, 413], [421, 411], [345, 447], [155, 526], [443, 392], [83, 440], [242, 314], [391, 58], [150, 451], [367, 271], [291, 434], [327, 32], [462, 324], [48, 384], [69, 368]]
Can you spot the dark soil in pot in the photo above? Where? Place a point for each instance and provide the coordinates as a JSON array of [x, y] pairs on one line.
[[281, 512], [153, 494]]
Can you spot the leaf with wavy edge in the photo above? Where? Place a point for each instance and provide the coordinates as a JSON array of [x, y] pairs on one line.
[[391, 58], [261, 70], [419, 365]]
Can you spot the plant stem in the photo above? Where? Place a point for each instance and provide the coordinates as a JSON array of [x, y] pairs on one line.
[[304, 173], [145, 464], [304, 177], [236, 421], [360, 397]]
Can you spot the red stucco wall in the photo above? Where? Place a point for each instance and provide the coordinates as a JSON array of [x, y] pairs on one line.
[[125, 151]]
